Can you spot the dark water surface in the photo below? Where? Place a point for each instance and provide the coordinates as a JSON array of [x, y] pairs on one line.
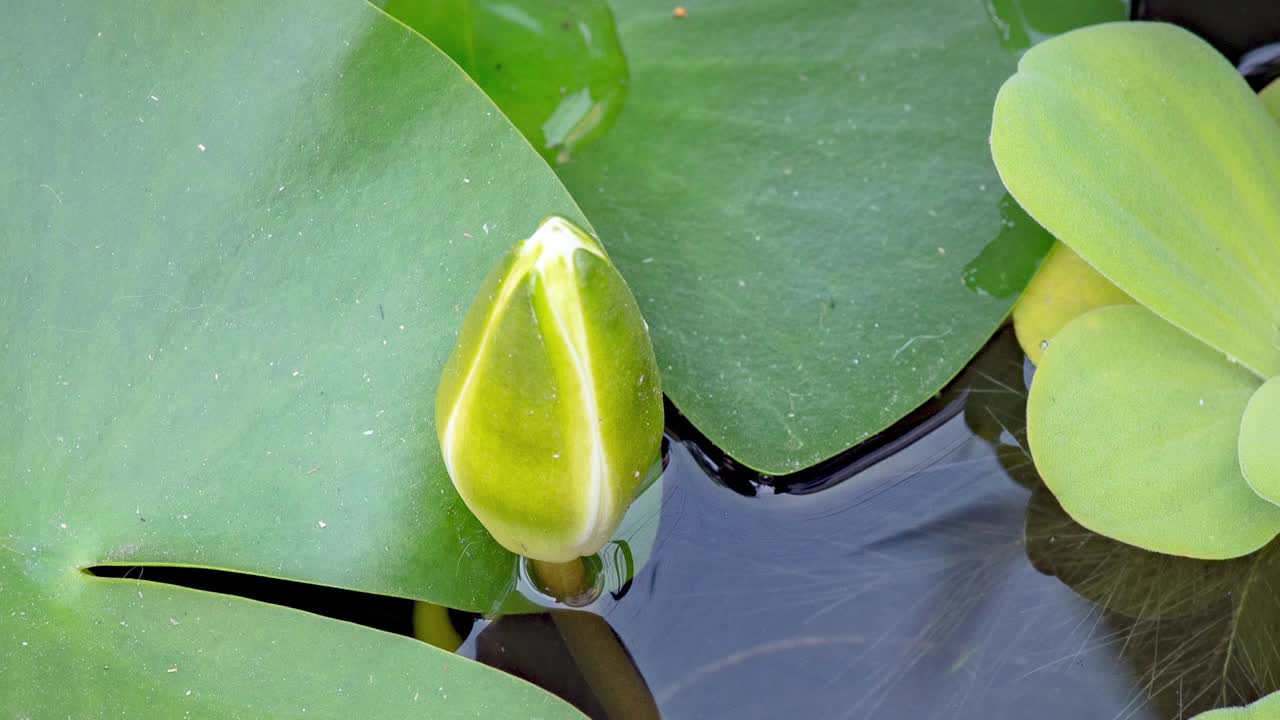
[[919, 588]]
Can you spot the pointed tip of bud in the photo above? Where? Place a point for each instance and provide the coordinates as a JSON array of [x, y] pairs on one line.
[[556, 236]]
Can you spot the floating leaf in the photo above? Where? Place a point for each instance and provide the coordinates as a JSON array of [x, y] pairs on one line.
[[1260, 441], [795, 190], [239, 241], [1082, 137], [77, 646], [1133, 425]]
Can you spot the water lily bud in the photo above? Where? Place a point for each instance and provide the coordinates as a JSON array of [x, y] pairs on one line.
[[549, 411]]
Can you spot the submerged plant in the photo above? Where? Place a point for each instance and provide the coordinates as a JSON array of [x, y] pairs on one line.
[[1141, 148], [549, 412]]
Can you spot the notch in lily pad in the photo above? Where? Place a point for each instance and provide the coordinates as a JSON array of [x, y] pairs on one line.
[[1141, 149], [549, 411]]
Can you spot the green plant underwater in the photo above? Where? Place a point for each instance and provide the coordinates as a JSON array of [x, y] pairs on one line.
[[1139, 147]]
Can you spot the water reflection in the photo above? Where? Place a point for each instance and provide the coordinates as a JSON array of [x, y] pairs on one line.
[[1002, 268], [555, 68], [1023, 23], [1199, 633]]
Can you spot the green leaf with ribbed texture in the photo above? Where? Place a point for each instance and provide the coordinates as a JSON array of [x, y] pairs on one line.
[[1133, 426], [1260, 441], [1141, 148], [1082, 136]]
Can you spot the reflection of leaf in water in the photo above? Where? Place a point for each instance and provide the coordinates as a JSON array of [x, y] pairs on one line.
[[1257, 623], [996, 406], [1198, 632], [1122, 578]]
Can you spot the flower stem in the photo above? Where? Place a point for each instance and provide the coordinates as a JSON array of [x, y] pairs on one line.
[[596, 649], [606, 665]]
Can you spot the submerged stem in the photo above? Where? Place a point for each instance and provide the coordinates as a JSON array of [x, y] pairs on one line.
[[600, 656], [568, 583], [606, 665]]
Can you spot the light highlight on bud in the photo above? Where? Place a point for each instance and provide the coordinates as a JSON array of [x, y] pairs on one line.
[[549, 412]]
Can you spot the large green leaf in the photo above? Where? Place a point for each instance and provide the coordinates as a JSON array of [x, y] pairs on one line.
[[1133, 425], [239, 240], [1259, 441], [82, 647], [796, 190], [1139, 146]]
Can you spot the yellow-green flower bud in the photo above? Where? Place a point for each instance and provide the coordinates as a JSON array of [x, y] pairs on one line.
[[549, 411]]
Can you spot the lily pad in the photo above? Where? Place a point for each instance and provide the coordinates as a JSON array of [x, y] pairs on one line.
[[77, 646], [793, 191], [1133, 426], [796, 190], [240, 240]]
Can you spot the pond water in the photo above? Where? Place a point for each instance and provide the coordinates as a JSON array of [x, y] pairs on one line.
[[920, 586]]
